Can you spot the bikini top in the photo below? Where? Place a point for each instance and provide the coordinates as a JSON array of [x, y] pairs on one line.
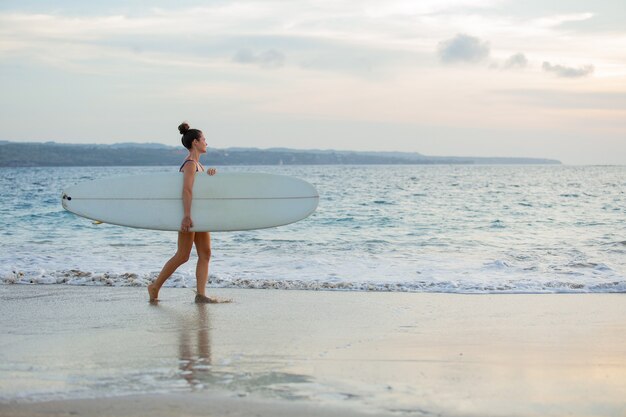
[[188, 160]]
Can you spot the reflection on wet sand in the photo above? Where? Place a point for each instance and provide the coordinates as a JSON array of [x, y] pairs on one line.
[[195, 358], [239, 373]]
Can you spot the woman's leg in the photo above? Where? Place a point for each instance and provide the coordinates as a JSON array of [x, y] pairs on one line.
[[185, 242], [203, 247]]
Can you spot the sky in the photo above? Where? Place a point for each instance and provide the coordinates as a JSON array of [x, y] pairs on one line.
[[532, 78]]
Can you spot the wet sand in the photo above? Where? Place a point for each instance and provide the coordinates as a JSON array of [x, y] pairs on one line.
[[107, 351]]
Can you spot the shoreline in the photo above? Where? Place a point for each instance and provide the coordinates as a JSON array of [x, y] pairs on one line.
[[214, 404], [77, 278], [317, 352]]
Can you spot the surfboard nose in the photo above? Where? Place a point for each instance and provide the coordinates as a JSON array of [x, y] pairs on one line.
[[64, 200]]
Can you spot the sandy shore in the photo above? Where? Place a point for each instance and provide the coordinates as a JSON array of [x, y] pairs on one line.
[[207, 404], [97, 351]]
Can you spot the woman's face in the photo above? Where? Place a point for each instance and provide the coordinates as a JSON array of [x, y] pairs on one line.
[[200, 143]]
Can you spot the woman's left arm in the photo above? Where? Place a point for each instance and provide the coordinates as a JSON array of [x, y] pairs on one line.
[[211, 171]]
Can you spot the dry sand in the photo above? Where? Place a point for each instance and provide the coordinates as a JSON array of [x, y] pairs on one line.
[[300, 353]]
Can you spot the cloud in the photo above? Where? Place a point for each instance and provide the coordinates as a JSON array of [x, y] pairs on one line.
[[270, 58], [551, 21], [563, 99], [568, 72], [518, 60], [462, 48]]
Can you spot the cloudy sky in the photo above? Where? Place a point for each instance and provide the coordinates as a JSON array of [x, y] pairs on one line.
[[439, 77]]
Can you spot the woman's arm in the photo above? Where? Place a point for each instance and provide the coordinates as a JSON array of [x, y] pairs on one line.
[[189, 173]]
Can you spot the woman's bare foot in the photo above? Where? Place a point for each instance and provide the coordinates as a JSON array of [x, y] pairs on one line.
[[154, 292], [203, 299]]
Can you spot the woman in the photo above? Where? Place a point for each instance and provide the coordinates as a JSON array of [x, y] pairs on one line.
[[194, 141]]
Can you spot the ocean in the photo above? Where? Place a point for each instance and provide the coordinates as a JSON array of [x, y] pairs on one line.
[[415, 228]]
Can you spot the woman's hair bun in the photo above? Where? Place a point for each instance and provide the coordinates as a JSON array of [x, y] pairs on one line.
[[183, 128]]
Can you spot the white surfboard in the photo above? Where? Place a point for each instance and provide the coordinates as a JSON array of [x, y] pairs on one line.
[[223, 202]]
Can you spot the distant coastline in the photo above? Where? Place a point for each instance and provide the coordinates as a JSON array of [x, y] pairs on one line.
[[32, 154]]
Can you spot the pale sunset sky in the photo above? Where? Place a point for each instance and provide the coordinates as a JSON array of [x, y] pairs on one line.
[[530, 78]]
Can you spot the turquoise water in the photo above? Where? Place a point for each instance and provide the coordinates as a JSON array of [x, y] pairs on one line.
[[467, 229]]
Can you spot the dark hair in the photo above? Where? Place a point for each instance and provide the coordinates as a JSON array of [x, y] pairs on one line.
[[189, 135]]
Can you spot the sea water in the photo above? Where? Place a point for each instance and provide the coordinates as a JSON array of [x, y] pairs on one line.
[[424, 228]]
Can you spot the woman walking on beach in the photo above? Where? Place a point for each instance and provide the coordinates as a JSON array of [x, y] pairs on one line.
[[194, 141]]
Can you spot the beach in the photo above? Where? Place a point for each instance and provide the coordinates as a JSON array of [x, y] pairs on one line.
[[107, 351], [416, 209]]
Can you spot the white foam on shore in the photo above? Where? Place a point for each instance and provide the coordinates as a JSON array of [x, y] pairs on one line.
[[495, 277]]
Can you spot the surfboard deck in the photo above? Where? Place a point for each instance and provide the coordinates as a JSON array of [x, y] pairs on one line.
[[223, 202]]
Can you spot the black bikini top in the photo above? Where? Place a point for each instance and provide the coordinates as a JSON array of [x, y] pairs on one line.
[[188, 160]]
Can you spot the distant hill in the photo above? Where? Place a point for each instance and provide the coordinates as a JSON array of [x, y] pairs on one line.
[[139, 145], [16, 154]]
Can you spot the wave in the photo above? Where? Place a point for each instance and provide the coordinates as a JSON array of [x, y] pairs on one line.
[[505, 286]]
